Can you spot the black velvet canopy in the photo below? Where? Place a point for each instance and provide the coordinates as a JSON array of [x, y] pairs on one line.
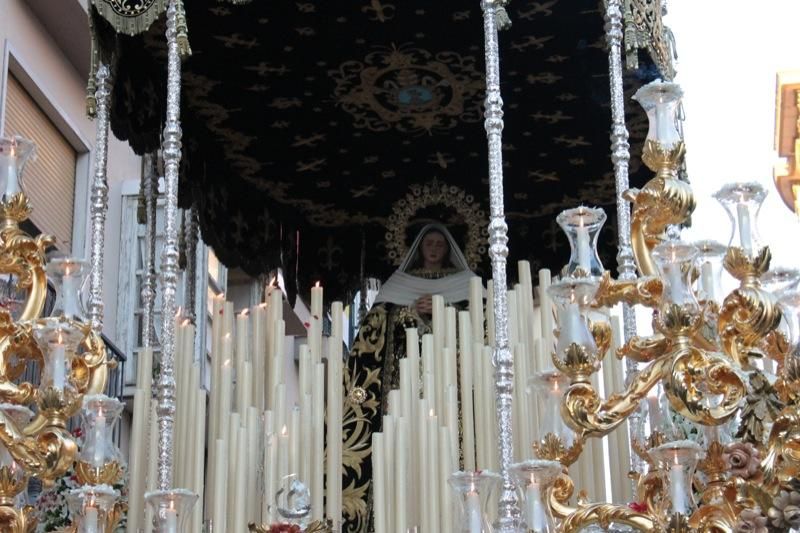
[[318, 135]]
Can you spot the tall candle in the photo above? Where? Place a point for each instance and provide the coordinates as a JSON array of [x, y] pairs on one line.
[[473, 505], [584, 247], [707, 281], [535, 510], [677, 489], [433, 465], [379, 483], [745, 232], [654, 409], [221, 484], [283, 454], [294, 441], [315, 328], [90, 519], [240, 487], [171, 519], [224, 406], [98, 458], [401, 475], [318, 465], [69, 290], [58, 354], [476, 308]]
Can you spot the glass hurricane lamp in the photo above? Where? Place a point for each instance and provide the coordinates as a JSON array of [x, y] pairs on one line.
[[675, 261], [546, 389], [100, 460], [661, 101], [171, 509], [14, 154], [709, 266], [533, 480], [473, 492], [69, 276], [572, 296], [676, 462], [91, 508], [742, 202], [582, 226], [58, 342]]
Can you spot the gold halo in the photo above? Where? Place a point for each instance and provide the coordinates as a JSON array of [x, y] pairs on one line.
[[436, 193]]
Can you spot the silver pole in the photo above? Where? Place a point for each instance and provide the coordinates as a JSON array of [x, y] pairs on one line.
[[498, 251], [621, 156], [150, 190], [99, 198], [171, 150]]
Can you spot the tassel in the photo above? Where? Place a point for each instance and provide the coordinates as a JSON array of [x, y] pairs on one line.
[[91, 86], [184, 49], [503, 20]]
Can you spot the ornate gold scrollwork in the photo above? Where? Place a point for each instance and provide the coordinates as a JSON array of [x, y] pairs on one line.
[[747, 316], [641, 291], [18, 521], [693, 376], [664, 200], [552, 448], [604, 514]]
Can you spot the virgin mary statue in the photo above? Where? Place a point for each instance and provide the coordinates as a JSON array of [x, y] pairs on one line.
[[433, 265]]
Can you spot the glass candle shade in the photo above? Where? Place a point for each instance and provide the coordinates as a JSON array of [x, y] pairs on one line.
[[661, 100], [677, 462], [69, 277], [709, 266], [533, 479], [473, 491], [58, 342], [572, 296], [545, 391], [13, 479], [675, 261], [779, 280], [171, 509], [99, 457], [789, 304], [742, 202], [89, 507], [293, 502], [14, 153], [582, 226]]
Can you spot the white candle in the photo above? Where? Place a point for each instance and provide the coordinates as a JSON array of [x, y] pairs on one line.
[[745, 233], [221, 485], [98, 458], [294, 442], [677, 489], [535, 509], [433, 465], [171, 519], [584, 247], [58, 354], [283, 455], [401, 475], [90, 519], [476, 308], [571, 325], [318, 415], [12, 181], [224, 398], [665, 125], [473, 504], [69, 290], [315, 328], [465, 360], [380, 510], [654, 408], [707, 281]]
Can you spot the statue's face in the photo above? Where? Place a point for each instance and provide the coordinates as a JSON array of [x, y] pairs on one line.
[[434, 249]]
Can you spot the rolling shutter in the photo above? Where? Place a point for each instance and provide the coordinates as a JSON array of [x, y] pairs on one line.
[[49, 179]]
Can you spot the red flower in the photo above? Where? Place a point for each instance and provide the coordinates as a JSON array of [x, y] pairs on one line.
[[639, 507], [284, 528], [77, 432]]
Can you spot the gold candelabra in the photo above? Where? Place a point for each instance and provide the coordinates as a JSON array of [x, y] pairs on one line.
[[72, 370], [703, 354]]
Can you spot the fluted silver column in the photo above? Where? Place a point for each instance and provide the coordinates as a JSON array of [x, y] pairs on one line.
[[148, 293], [171, 150], [508, 512], [621, 156], [99, 197]]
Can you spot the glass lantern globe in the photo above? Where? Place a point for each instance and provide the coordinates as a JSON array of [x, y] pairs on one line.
[[572, 296], [58, 343], [69, 276], [582, 226], [742, 202], [14, 154], [545, 390], [99, 457], [473, 492], [675, 261], [90, 507], [171, 509], [709, 264], [661, 101], [533, 479], [677, 462]]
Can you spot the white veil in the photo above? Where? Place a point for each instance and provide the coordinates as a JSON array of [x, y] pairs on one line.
[[403, 288]]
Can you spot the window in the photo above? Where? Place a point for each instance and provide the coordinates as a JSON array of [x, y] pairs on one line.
[[50, 176]]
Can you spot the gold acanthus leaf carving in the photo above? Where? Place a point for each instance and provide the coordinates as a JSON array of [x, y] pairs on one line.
[[745, 268], [642, 291], [747, 315]]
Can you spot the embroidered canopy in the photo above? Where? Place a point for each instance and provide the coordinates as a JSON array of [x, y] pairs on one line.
[[319, 135]]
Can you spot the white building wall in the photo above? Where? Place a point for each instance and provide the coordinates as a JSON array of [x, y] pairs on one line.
[[730, 52], [29, 47]]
